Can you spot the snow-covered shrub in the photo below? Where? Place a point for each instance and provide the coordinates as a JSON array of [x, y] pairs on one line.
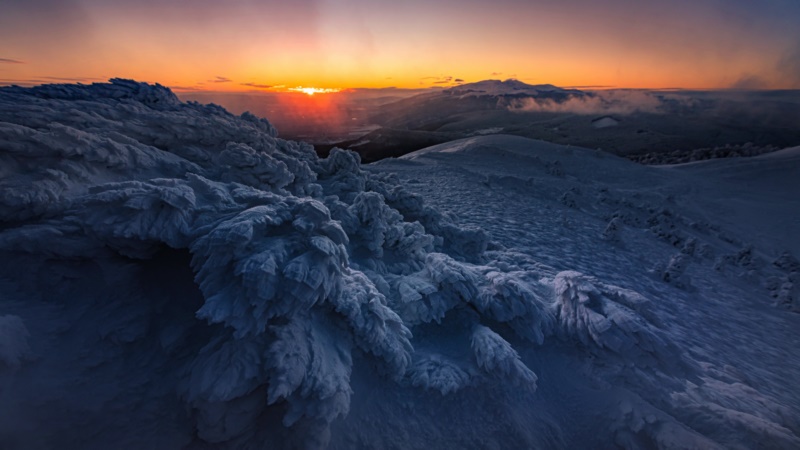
[[555, 168], [664, 224], [675, 270], [612, 230], [304, 267], [608, 317], [301, 262], [568, 199], [787, 262], [689, 247], [495, 355], [438, 373]]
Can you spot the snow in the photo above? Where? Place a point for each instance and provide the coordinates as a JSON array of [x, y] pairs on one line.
[[502, 88], [605, 122], [485, 131], [686, 270], [174, 276]]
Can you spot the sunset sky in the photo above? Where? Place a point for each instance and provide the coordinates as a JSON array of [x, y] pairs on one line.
[[248, 44]]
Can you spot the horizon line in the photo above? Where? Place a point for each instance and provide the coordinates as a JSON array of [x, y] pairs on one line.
[[283, 89]]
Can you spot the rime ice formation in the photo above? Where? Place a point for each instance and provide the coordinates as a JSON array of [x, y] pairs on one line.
[[174, 276]]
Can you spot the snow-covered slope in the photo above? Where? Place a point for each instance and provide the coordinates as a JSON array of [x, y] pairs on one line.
[[710, 245], [173, 276]]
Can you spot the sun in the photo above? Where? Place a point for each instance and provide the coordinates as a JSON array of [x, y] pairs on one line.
[[313, 90]]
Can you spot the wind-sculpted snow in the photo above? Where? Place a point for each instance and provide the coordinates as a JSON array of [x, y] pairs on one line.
[[308, 273], [607, 317]]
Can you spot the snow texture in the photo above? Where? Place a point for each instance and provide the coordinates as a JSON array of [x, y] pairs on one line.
[[13, 342], [698, 353], [176, 276]]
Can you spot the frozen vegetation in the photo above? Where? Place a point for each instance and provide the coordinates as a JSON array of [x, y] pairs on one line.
[[174, 276], [701, 154]]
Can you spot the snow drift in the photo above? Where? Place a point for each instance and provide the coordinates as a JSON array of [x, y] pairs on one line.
[[176, 276]]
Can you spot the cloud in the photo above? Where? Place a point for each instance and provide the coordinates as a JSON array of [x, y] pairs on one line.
[[186, 89], [622, 102], [590, 86], [17, 82], [257, 86], [443, 80], [10, 61], [50, 80], [220, 79], [74, 79], [789, 67], [749, 82], [496, 74]]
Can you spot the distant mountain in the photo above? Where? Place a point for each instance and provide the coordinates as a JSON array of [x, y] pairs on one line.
[[625, 122], [443, 115], [510, 87]]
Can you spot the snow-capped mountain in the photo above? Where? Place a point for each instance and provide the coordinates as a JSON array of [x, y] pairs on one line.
[[174, 276], [510, 87]]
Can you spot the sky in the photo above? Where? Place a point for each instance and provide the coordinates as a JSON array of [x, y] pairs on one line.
[[241, 45]]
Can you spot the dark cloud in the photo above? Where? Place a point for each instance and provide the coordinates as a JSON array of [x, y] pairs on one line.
[[51, 80], [16, 82], [74, 79], [256, 85], [220, 79], [443, 80], [10, 61], [186, 88], [590, 86]]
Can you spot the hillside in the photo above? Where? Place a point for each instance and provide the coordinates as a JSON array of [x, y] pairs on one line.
[[176, 276]]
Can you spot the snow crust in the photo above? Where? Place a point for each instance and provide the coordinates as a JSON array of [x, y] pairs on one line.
[[174, 276]]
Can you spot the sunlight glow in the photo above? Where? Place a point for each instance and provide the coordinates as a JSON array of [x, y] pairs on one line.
[[313, 90]]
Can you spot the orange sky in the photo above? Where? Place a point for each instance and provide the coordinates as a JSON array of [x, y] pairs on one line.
[[242, 45]]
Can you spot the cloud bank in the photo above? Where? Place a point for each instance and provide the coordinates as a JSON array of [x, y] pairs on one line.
[[621, 102]]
